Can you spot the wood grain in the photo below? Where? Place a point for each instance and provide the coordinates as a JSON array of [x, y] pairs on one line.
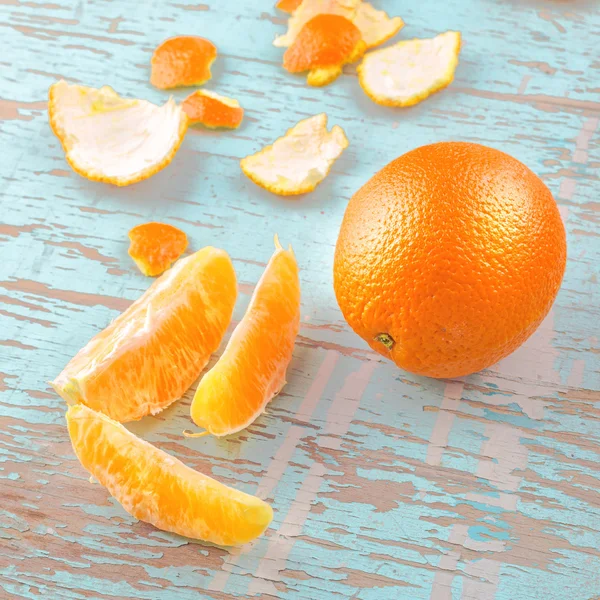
[[385, 485]]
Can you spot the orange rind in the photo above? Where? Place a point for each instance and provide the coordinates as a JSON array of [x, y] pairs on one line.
[[410, 71], [182, 61], [288, 6], [112, 139], [157, 488], [156, 246], [323, 46], [251, 370], [213, 110], [297, 162], [374, 25], [153, 352]]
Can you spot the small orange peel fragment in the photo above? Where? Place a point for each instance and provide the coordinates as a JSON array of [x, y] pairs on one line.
[[182, 61], [297, 162], [410, 71], [213, 110], [323, 46], [288, 6], [112, 139], [156, 246], [375, 25]]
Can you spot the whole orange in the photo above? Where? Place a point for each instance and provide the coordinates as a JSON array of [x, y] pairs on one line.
[[449, 258]]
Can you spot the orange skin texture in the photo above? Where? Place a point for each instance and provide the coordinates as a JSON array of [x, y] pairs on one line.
[[288, 6], [325, 41], [211, 113], [456, 251], [182, 61], [155, 246]]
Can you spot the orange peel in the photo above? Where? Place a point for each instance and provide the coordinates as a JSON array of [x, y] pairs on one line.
[[213, 110], [182, 61], [288, 6], [323, 46], [298, 161], [112, 139], [375, 25], [410, 71], [251, 370], [156, 246]]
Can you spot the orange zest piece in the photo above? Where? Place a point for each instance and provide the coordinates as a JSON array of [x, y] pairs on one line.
[[152, 353], [182, 61], [298, 161], [288, 6], [251, 370], [156, 246], [375, 25], [323, 46], [113, 139], [213, 110], [157, 488]]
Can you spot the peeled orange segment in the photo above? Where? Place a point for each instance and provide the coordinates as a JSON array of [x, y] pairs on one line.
[[297, 162], [309, 9], [182, 61], [252, 368], [157, 488], [112, 139], [288, 6], [376, 26], [155, 246], [151, 354], [410, 71], [323, 46], [213, 110]]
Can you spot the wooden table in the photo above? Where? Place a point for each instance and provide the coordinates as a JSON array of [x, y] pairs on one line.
[[385, 485]]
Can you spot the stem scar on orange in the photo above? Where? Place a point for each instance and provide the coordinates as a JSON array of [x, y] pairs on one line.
[[449, 258], [155, 487], [155, 246], [152, 353], [251, 370]]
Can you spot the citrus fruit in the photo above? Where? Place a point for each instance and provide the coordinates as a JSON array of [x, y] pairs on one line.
[[213, 110], [297, 162], [182, 61], [152, 353], [155, 487], [112, 139], [449, 258], [410, 71], [252, 368], [155, 246], [376, 27], [323, 46]]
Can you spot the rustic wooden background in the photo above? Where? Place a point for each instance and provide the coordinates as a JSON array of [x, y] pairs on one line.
[[385, 485]]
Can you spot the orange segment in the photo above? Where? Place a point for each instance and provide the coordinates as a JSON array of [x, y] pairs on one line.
[[155, 246], [113, 139], [155, 487], [182, 61], [150, 355], [323, 46], [288, 6], [252, 368], [213, 110]]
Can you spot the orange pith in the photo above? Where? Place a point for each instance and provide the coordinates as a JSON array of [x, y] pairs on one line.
[[288, 6], [182, 61], [211, 111], [326, 41], [151, 354], [155, 246], [449, 258], [155, 487], [252, 368]]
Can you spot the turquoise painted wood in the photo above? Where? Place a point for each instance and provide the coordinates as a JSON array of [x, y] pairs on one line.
[[385, 485]]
